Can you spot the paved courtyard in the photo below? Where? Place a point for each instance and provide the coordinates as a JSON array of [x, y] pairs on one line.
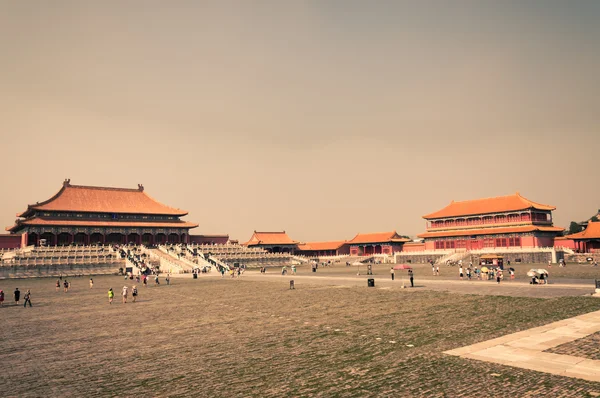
[[256, 337]]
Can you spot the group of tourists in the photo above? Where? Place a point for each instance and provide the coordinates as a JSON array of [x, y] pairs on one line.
[[17, 295], [124, 294], [284, 270], [411, 276], [485, 273]]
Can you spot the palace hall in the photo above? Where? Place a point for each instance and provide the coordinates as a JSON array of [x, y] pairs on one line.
[[100, 215], [506, 221]]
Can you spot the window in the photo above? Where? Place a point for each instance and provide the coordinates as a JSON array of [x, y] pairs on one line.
[[514, 241], [501, 242]]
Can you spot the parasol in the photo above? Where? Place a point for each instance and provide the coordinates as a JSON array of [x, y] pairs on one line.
[[484, 269]]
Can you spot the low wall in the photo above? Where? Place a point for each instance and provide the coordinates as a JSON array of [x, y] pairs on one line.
[[410, 258], [208, 239], [524, 257], [12, 241], [37, 271], [581, 257]]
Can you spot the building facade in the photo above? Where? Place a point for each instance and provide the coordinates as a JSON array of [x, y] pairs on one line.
[[376, 243], [317, 249], [273, 242], [588, 240], [506, 221], [100, 215]]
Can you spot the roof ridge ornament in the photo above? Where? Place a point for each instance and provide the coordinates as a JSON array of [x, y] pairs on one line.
[[67, 182], [140, 188]]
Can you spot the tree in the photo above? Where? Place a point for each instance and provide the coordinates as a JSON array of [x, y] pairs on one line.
[[594, 219], [574, 228]]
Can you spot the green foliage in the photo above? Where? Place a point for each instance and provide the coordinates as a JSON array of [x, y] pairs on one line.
[[574, 228], [594, 219]]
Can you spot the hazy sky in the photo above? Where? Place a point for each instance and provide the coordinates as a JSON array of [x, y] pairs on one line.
[[323, 118]]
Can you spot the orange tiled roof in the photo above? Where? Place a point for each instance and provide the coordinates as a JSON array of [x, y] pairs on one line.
[[378, 237], [490, 231], [486, 206], [321, 246], [78, 198], [270, 238], [591, 232], [116, 224]]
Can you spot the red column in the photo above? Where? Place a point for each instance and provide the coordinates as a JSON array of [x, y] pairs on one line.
[[103, 239]]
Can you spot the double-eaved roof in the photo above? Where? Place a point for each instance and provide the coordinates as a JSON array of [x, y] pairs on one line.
[[498, 204], [87, 199], [592, 231], [490, 230], [322, 246], [378, 237], [270, 238]]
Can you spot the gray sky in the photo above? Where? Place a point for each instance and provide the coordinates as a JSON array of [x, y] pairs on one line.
[[321, 118]]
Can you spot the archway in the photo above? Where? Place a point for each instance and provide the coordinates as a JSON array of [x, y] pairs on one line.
[[160, 239], [96, 238], [133, 238], [33, 239], [63, 239], [80, 238], [377, 249], [49, 237], [114, 238], [173, 238], [147, 239]]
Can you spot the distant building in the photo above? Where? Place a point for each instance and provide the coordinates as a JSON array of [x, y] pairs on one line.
[[274, 242], [595, 217], [101, 215], [376, 243], [506, 221], [316, 249], [588, 240]]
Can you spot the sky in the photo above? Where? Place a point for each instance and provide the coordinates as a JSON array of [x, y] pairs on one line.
[[321, 118]]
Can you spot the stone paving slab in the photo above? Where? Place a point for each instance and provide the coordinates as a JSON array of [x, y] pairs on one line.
[[525, 349]]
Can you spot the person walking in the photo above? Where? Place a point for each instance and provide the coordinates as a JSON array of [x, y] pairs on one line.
[[392, 272], [1, 298], [156, 282], [437, 270], [66, 286], [432, 267], [168, 279], [57, 285], [111, 295], [124, 294], [498, 276], [294, 269], [460, 273], [17, 295], [27, 299], [134, 292], [412, 281], [91, 283]]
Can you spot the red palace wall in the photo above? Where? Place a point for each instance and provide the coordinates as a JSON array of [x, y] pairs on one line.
[[414, 247], [207, 239], [567, 243], [545, 242], [13, 241]]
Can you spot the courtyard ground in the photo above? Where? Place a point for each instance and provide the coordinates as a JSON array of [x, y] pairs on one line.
[[253, 336]]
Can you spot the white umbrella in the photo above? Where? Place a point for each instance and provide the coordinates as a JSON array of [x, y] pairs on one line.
[[542, 271]]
